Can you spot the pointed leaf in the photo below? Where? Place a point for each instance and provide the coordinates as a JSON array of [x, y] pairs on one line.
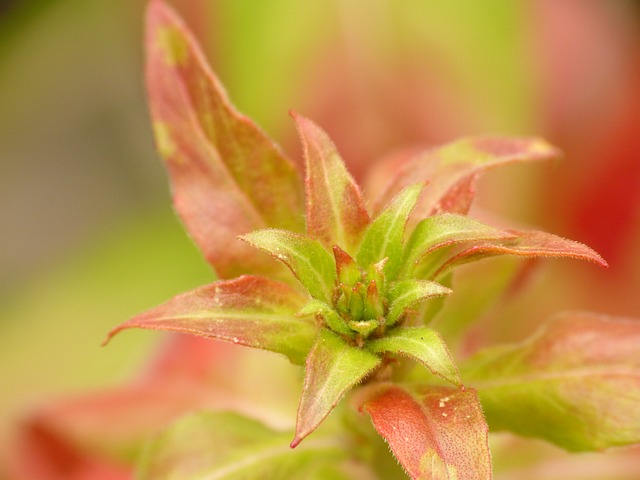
[[332, 368], [445, 230], [422, 344], [228, 177], [406, 293], [228, 446], [336, 213], [435, 433], [331, 318], [575, 383], [252, 311], [306, 257], [526, 244], [452, 170], [384, 236]]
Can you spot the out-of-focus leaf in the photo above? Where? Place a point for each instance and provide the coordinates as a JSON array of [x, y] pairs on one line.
[[528, 244], [333, 367], [336, 213], [250, 310], [422, 344], [228, 177], [384, 236], [452, 170], [575, 383], [435, 433], [229, 446], [406, 293], [444, 230], [306, 257]]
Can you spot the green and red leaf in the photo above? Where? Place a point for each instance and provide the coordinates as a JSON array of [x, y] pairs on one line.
[[336, 213], [529, 244], [452, 170], [384, 237], [228, 177], [422, 344], [305, 257], [575, 383], [250, 310], [332, 368], [436, 433]]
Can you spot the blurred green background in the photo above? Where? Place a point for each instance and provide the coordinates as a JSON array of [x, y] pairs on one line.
[[87, 234]]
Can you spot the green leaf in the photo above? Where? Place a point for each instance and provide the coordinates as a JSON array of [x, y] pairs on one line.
[[227, 446], [332, 368], [443, 230], [452, 170], [249, 310], [525, 244], [404, 294], [435, 432], [306, 257], [336, 213], [575, 383], [228, 177], [384, 236], [422, 344], [333, 320]]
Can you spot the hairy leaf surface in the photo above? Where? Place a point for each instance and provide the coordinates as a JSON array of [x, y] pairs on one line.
[[575, 383], [333, 367], [422, 344], [228, 177], [404, 294], [336, 213], [250, 310], [436, 433], [305, 256]]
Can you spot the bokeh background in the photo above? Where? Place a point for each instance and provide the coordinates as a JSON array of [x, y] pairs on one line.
[[87, 234]]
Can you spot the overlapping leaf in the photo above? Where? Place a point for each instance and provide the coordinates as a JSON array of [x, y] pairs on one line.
[[229, 446], [436, 433], [333, 367], [406, 293], [250, 310], [452, 170], [575, 383], [228, 177], [336, 213]]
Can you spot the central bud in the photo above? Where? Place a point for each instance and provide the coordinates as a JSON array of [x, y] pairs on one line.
[[359, 296]]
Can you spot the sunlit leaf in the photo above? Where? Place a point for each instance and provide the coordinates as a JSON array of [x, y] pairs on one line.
[[528, 244], [252, 311], [422, 344], [452, 170], [384, 236], [444, 230], [228, 177], [575, 383], [333, 367], [435, 432], [406, 293], [228, 446], [336, 213], [305, 256]]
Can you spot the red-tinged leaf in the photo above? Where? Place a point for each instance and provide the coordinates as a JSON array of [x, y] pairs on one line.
[[305, 257], [384, 237], [575, 383], [529, 244], [252, 311], [452, 170], [436, 433], [228, 177], [443, 230], [333, 367], [422, 344], [336, 213]]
